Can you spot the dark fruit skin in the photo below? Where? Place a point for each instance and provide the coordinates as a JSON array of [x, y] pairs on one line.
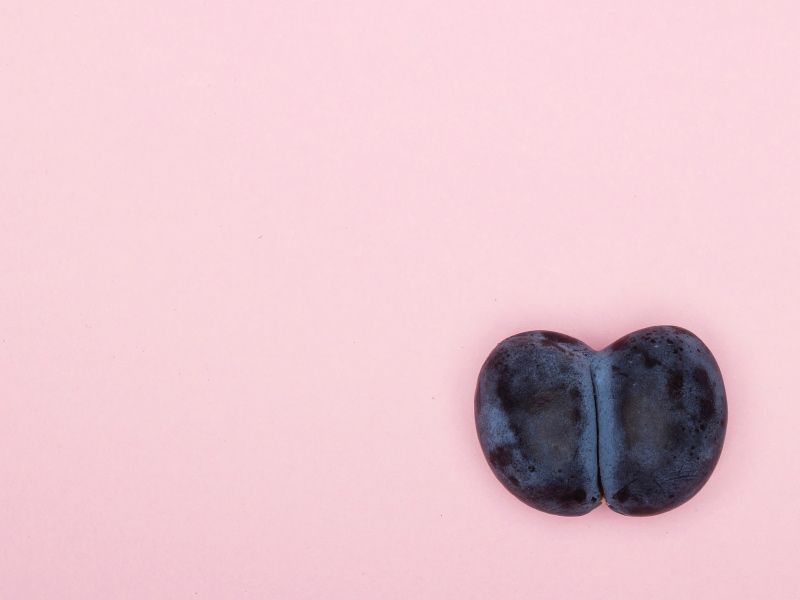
[[535, 413], [661, 419], [644, 420]]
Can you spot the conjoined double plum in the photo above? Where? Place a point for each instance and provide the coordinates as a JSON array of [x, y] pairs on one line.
[[641, 422]]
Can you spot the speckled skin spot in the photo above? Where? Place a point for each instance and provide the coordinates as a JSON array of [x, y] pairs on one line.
[[643, 419]]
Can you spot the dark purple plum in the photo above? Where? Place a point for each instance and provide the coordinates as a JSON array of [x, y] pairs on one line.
[[535, 414], [661, 418], [641, 422]]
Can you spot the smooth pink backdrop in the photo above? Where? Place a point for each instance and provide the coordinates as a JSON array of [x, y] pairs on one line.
[[253, 254]]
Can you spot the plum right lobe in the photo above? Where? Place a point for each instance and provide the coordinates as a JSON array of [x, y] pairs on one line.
[[662, 413]]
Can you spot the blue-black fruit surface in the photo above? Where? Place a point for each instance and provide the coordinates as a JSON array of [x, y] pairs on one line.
[[536, 421], [661, 415]]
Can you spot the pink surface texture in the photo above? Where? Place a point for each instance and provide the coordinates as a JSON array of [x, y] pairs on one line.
[[253, 255]]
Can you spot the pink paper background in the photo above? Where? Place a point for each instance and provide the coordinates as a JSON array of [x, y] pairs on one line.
[[253, 255]]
